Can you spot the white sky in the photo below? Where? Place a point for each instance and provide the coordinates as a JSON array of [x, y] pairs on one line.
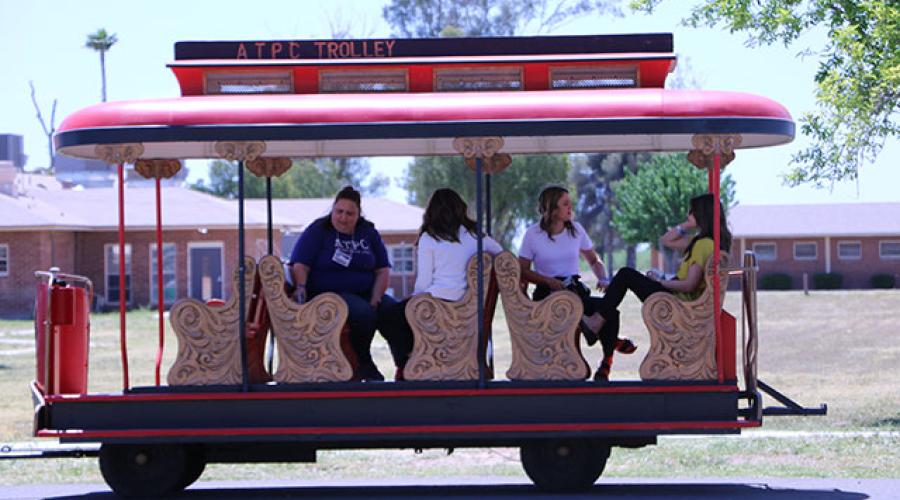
[[43, 41]]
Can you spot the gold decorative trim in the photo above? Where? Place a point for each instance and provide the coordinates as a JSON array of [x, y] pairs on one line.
[[706, 146], [157, 168], [209, 350], [683, 333], [115, 154], [544, 334], [472, 147], [445, 334], [307, 336], [493, 164], [266, 166], [240, 150]]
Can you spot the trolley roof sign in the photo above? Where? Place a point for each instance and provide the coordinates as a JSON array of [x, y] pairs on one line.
[[414, 97]]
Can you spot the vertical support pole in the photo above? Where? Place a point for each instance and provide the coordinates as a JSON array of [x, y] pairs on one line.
[[122, 304], [270, 356], [717, 284], [242, 292], [479, 215], [487, 204], [160, 297]]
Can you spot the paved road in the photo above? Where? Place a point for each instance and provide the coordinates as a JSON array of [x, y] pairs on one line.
[[506, 488]]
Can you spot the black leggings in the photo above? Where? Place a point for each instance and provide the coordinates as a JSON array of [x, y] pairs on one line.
[[609, 334], [624, 280]]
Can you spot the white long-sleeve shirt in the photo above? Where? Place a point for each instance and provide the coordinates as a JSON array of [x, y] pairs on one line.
[[442, 264]]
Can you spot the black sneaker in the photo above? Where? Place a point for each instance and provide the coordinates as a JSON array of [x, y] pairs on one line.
[[368, 372]]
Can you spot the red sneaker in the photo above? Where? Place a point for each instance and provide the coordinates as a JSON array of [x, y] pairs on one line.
[[625, 345]]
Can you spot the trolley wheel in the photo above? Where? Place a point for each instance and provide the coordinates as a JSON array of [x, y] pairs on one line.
[[196, 463], [564, 465], [143, 470]]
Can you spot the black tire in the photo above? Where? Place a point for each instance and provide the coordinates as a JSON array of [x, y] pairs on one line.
[[196, 463], [143, 470], [564, 465]]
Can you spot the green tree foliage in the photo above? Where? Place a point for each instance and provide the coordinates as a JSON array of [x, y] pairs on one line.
[[101, 41], [857, 81], [433, 18], [305, 179], [514, 191], [658, 196]]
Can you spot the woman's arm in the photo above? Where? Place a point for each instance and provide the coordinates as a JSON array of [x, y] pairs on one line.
[[596, 264], [677, 238], [424, 266], [299, 273], [382, 275], [687, 285], [536, 278]]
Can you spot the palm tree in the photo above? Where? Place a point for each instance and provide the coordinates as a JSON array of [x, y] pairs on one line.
[[101, 41]]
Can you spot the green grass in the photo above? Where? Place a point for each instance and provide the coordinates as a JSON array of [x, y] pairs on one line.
[[834, 347]]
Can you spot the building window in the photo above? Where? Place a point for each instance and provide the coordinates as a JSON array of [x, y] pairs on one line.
[[169, 287], [849, 250], [111, 258], [889, 249], [4, 260], [403, 260], [805, 251], [764, 251]]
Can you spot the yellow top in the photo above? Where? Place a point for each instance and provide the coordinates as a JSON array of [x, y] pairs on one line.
[[700, 252]]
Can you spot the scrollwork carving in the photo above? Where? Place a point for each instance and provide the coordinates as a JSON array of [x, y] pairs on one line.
[[157, 168], [209, 350], [682, 333], [445, 334], [493, 164], [472, 147], [115, 154], [544, 333], [240, 150], [308, 336], [706, 146], [265, 166]]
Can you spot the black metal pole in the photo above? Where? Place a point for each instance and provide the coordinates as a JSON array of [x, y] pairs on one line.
[[487, 204], [270, 356], [242, 293], [479, 216]]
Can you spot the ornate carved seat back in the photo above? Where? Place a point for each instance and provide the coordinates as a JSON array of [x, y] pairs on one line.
[[307, 336], [208, 337], [445, 334], [544, 334], [683, 333]]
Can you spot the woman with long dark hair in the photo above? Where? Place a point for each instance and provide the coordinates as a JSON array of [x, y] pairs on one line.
[[447, 240], [553, 247], [342, 252], [694, 239]]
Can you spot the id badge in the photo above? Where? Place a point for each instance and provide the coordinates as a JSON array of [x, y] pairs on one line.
[[341, 257]]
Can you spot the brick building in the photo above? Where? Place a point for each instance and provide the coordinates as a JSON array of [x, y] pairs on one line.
[[857, 240]]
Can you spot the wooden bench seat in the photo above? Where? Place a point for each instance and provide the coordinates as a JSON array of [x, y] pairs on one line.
[[544, 334], [445, 333], [683, 333], [308, 336], [207, 334]]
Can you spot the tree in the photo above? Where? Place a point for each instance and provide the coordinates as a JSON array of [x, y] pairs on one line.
[[658, 197], [101, 41], [857, 81], [514, 191], [432, 18], [48, 130], [305, 179]]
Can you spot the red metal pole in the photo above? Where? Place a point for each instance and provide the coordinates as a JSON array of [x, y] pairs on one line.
[[122, 304], [717, 305], [160, 299]]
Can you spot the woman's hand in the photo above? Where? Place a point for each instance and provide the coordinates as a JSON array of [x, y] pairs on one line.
[[554, 284], [300, 294], [602, 283], [375, 302]]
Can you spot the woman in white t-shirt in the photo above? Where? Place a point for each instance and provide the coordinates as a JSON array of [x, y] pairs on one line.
[[553, 246], [447, 240]]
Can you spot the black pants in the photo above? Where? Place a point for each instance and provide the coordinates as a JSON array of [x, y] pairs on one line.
[[609, 334], [624, 280], [396, 330]]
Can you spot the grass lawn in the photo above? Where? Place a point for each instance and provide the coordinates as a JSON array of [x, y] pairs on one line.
[[839, 348]]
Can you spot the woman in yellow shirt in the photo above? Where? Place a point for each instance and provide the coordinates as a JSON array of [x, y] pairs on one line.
[[688, 283]]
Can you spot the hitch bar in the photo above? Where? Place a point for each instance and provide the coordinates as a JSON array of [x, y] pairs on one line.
[[790, 406]]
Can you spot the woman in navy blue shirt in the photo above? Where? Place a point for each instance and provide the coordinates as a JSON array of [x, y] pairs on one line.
[[343, 253]]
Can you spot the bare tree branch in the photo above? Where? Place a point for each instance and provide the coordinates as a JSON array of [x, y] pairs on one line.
[[48, 131]]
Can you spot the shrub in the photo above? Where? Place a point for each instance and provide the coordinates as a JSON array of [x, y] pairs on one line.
[[883, 281], [775, 281], [827, 281]]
